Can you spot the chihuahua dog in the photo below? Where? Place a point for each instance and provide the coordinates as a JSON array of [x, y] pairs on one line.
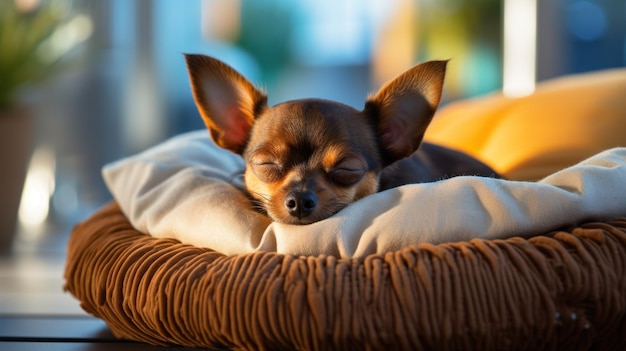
[[307, 159]]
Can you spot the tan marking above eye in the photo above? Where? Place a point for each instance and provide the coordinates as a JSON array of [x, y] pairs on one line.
[[332, 155]]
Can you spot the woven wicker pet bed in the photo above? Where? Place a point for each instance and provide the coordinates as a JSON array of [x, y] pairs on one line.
[[563, 290], [495, 280]]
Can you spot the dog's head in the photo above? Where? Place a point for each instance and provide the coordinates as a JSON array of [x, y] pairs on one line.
[[307, 159]]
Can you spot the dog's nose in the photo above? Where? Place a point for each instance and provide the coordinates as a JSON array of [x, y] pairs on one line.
[[300, 203]]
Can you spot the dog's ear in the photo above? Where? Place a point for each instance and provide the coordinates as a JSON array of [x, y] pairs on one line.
[[228, 103], [403, 108]]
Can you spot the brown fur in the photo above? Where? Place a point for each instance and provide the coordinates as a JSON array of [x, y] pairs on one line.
[[307, 159]]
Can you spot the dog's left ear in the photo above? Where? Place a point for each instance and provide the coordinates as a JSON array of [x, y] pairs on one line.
[[403, 108]]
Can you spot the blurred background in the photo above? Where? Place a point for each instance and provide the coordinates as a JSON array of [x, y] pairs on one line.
[[84, 83]]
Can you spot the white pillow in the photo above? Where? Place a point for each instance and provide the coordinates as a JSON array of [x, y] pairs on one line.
[[187, 188]]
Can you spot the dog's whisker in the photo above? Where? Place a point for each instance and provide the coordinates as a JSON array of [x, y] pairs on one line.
[[260, 197], [259, 202]]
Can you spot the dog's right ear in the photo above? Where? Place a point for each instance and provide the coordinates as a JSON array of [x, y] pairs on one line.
[[227, 102]]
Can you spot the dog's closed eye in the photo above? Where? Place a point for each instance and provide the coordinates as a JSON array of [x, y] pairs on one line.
[[266, 167], [348, 172]]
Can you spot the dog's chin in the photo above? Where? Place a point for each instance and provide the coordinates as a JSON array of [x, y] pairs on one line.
[[297, 221], [316, 216]]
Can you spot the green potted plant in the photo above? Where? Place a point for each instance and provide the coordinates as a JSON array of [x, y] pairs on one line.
[[28, 54]]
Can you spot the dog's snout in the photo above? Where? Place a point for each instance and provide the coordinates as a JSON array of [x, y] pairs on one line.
[[300, 204]]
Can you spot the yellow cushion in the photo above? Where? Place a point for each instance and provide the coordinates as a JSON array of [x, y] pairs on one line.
[[566, 120]]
